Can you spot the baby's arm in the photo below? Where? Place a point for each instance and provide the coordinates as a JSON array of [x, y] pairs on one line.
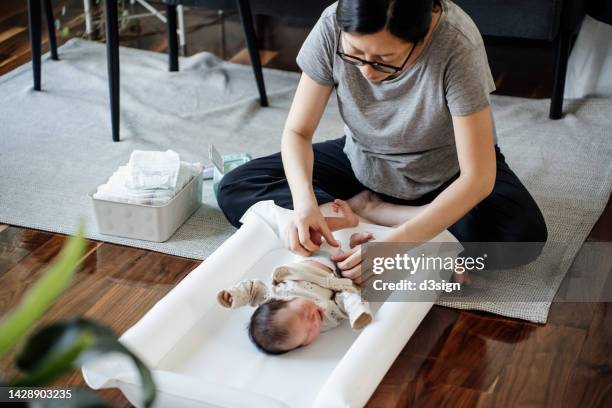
[[355, 307], [252, 292]]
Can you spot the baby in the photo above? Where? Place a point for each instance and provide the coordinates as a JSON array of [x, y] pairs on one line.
[[306, 297]]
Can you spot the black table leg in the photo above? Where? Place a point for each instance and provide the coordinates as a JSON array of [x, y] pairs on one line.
[[51, 30], [112, 60], [562, 44], [172, 38], [35, 39], [249, 33]]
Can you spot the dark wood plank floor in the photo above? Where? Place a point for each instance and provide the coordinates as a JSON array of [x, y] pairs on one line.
[[455, 358]]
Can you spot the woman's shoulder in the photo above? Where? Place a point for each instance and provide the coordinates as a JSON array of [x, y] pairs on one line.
[[330, 10], [459, 29], [328, 16]]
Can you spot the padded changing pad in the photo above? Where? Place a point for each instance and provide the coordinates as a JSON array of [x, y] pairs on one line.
[[200, 354]]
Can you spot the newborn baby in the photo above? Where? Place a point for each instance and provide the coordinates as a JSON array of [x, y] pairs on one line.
[[306, 297]]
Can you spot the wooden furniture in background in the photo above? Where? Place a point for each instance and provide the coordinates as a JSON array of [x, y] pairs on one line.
[[246, 18], [34, 23]]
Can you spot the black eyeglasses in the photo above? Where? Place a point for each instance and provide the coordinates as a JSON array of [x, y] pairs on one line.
[[379, 66]]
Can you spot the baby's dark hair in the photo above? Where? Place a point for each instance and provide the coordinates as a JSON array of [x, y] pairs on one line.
[[267, 335]]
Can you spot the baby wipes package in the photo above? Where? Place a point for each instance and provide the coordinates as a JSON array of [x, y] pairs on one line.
[[224, 164]]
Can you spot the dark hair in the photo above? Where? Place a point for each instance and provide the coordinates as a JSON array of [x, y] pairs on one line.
[[405, 19], [264, 331]]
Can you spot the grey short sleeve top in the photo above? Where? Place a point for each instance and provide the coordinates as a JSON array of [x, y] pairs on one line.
[[400, 139]]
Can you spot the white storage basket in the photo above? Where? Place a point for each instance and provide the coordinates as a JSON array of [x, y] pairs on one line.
[[148, 222]]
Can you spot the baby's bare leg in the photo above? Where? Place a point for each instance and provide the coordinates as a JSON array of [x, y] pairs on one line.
[[369, 205]]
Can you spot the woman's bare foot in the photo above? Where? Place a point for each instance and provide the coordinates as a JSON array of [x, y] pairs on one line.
[[364, 201], [359, 238], [344, 207], [462, 278]]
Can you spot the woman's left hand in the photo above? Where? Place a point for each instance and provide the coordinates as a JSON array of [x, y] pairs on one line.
[[349, 263]]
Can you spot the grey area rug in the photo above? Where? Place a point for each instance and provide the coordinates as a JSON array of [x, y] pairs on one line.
[[55, 148]]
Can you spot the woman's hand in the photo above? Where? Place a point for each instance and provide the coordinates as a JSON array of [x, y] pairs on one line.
[[305, 230], [349, 263]]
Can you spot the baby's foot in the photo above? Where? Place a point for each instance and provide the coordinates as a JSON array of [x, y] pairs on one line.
[[344, 207], [364, 201], [359, 238]]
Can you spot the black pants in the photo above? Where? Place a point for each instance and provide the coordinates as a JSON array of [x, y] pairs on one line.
[[508, 214]]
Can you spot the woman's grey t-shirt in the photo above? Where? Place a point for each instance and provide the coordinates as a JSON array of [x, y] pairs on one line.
[[399, 133]]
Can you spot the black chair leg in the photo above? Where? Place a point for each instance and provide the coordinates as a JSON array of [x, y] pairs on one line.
[[172, 38], [112, 60], [249, 33], [35, 39], [562, 43], [51, 29]]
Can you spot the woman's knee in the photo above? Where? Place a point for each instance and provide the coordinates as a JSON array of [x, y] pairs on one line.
[[537, 231], [510, 238], [527, 224], [536, 234], [523, 228], [258, 180], [530, 237], [522, 219], [226, 189], [228, 197]]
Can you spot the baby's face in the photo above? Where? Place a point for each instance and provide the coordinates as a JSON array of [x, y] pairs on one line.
[[302, 318]]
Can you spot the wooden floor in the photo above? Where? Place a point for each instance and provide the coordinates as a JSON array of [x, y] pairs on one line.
[[456, 358]]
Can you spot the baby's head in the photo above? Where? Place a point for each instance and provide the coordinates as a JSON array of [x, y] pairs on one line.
[[280, 326]]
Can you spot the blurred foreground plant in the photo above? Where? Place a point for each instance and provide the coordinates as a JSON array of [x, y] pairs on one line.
[[63, 346]]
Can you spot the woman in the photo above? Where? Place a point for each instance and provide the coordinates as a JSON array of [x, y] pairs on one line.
[[419, 151]]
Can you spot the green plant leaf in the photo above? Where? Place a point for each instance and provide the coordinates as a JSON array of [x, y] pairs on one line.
[[63, 346], [42, 294]]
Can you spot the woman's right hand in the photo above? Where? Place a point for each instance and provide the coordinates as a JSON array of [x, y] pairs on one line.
[[305, 230]]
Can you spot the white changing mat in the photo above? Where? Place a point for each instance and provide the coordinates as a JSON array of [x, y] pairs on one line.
[[201, 356]]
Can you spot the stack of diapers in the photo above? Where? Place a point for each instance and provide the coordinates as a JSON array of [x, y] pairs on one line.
[[200, 354], [149, 178]]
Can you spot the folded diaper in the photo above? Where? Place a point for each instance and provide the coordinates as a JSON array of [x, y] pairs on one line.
[[140, 182], [153, 170]]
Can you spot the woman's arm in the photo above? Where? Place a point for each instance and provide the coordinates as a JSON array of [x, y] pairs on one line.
[[476, 154], [296, 148]]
